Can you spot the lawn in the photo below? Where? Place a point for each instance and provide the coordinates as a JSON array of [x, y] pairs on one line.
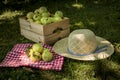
[[101, 16]]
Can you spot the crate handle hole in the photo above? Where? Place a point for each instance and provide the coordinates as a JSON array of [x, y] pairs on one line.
[[59, 38], [57, 30]]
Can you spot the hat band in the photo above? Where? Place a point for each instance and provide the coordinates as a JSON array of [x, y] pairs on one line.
[[97, 50]]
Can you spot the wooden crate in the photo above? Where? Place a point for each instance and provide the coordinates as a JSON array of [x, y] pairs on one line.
[[44, 33]]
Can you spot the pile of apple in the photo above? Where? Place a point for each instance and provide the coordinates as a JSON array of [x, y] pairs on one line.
[[37, 53], [43, 16]]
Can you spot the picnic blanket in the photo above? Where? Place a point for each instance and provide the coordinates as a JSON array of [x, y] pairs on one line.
[[17, 57]]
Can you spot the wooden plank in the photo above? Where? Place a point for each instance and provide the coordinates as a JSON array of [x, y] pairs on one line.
[[37, 28], [57, 36], [31, 35], [50, 39], [24, 24]]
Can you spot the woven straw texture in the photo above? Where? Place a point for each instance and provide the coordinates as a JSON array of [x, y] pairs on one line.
[[103, 50], [82, 42]]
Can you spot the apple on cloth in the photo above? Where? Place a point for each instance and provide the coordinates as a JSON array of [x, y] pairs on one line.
[[37, 53], [17, 57]]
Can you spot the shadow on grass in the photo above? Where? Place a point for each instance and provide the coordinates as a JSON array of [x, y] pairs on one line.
[[116, 57], [104, 71], [108, 69]]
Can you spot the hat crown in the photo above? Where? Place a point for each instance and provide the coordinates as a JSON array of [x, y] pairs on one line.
[[82, 41]]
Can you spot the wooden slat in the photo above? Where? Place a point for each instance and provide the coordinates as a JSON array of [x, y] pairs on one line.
[[31, 35], [56, 36], [24, 24], [45, 39], [37, 28]]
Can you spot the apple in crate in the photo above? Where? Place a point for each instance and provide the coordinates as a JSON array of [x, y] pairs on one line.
[[42, 9], [37, 17], [57, 19], [45, 14], [30, 15], [46, 20], [58, 13]]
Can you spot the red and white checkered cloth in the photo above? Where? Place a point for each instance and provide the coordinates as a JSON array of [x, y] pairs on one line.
[[17, 57]]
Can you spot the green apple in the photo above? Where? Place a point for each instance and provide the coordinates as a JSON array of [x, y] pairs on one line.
[[36, 53], [44, 20], [45, 14], [35, 58], [30, 15], [57, 19], [38, 58], [31, 52], [47, 55], [36, 11], [36, 17], [37, 47], [42, 9], [58, 13], [32, 58], [51, 19]]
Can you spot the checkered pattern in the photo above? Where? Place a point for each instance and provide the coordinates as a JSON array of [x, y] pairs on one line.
[[17, 57]]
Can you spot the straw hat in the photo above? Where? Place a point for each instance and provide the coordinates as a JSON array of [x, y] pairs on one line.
[[83, 44]]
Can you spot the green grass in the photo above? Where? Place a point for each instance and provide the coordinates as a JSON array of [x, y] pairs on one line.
[[102, 17]]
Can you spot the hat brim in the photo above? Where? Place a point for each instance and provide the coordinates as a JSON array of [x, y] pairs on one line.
[[60, 47]]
